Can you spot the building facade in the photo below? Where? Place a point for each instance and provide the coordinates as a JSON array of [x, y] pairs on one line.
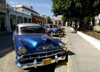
[[10, 16], [3, 15], [97, 19], [16, 16], [46, 17], [36, 17], [58, 21]]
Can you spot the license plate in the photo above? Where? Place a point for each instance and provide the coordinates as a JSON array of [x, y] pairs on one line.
[[47, 61]]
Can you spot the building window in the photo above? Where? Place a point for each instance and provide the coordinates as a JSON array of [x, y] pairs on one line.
[[55, 22], [2, 1], [59, 23]]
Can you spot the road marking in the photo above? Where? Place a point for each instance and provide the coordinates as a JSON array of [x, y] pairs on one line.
[[68, 67], [6, 63]]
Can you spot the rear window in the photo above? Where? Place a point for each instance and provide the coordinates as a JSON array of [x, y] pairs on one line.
[[51, 26], [31, 29]]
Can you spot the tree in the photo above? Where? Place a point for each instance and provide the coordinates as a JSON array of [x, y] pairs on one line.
[[49, 20], [76, 8]]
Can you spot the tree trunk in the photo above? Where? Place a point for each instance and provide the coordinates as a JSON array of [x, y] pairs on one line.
[[81, 23], [93, 21]]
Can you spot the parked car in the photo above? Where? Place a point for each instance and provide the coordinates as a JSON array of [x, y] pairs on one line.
[[54, 30], [59, 27], [34, 48]]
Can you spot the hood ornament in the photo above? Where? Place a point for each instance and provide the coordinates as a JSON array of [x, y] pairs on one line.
[[45, 48], [44, 38]]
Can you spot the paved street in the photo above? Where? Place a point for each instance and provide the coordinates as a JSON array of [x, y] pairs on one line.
[[5, 41], [7, 59], [83, 57]]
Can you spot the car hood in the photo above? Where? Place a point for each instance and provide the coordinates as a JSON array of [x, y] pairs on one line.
[[36, 42]]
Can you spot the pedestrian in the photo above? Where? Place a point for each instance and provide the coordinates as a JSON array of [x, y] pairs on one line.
[[75, 27]]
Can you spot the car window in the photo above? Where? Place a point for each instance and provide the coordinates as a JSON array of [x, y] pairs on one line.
[[30, 29], [51, 26]]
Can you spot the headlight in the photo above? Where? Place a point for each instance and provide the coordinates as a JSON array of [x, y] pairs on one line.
[[62, 45], [22, 50]]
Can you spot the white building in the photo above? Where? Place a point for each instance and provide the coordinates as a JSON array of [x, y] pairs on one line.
[[16, 16], [97, 19], [58, 21], [10, 16]]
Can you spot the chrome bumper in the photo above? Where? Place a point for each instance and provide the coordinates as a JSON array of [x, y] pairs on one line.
[[36, 59], [36, 64]]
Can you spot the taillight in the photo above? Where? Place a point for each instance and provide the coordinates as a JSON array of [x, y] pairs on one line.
[[46, 31], [61, 28]]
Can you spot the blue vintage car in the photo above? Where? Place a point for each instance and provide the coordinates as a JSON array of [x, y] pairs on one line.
[[33, 48], [54, 30]]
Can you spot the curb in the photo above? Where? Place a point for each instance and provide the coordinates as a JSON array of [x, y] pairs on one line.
[[90, 39]]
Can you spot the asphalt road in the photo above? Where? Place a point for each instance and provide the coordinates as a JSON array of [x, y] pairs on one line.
[[7, 58], [5, 41], [83, 57]]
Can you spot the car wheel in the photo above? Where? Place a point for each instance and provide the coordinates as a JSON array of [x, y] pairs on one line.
[[51, 34]]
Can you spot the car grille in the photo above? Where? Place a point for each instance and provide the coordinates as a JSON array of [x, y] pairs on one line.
[[40, 56]]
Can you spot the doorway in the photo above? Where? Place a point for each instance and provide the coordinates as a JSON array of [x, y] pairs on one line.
[[2, 24]]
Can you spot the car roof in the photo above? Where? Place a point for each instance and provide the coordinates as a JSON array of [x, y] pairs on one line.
[[28, 24]]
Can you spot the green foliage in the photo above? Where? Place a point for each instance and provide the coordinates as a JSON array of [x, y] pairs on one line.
[[69, 19], [87, 19], [98, 24], [49, 20], [76, 9]]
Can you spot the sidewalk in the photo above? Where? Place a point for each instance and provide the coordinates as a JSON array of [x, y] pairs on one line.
[[5, 33], [83, 56], [95, 42]]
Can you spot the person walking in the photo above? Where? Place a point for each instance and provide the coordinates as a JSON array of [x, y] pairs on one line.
[[75, 27]]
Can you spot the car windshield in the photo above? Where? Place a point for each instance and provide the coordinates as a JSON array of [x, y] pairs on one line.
[[31, 29], [55, 26], [51, 26]]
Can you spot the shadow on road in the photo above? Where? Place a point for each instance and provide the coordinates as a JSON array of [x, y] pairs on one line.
[[61, 63], [70, 53], [74, 32], [6, 44], [4, 52], [47, 68]]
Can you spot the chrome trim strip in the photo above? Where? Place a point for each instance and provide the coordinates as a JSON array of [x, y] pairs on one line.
[[43, 52], [39, 57], [53, 61]]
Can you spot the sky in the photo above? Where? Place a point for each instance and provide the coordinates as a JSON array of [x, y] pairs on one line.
[[43, 7]]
